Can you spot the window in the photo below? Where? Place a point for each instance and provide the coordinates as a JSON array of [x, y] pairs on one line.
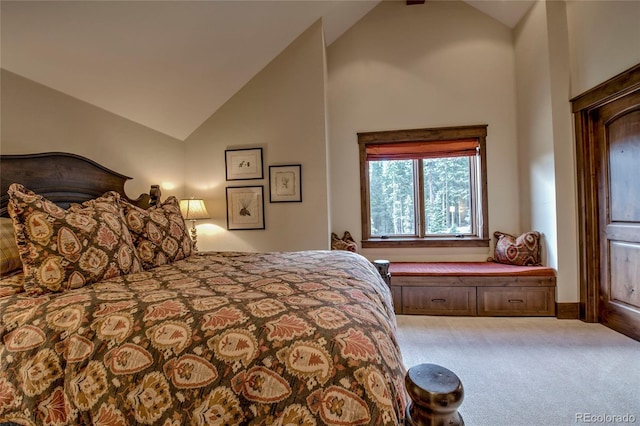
[[424, 187]]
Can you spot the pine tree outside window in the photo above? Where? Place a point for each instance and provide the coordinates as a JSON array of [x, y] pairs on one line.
[[424, 187]]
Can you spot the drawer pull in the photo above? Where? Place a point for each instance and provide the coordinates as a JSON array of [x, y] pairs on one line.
[[438, 300], [516, 301]]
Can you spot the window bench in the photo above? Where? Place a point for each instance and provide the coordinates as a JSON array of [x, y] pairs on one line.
[[472, 288]]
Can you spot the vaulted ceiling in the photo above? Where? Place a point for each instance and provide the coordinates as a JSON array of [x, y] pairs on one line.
[[169, 65]]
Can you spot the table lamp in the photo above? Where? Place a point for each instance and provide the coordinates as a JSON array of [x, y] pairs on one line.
[[193, 210]]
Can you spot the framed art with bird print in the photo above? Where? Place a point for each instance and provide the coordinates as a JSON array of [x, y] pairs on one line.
[[243, 164], [245, 207]]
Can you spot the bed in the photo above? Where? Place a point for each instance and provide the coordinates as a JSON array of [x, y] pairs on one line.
[[171, 337]]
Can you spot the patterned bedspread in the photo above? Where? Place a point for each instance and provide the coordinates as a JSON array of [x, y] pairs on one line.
[[305, 338]]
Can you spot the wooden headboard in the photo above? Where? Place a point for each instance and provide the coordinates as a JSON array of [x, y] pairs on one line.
[[64, 178]]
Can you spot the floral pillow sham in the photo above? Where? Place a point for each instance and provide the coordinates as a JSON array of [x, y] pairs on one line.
[[11, 284], [65, 249], [9, 254], [159, 233]]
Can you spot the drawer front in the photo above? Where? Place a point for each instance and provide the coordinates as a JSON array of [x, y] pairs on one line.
[[516, 301], [439, 300]]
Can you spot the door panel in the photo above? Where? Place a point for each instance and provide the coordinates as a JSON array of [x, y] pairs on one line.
[[617, 135], [624, 152], [625, 274]]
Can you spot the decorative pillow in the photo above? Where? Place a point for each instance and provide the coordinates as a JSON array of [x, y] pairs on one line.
[[345, 243], [12, 283], [523, 250], [65, 249], [160, 234], [9, 254]]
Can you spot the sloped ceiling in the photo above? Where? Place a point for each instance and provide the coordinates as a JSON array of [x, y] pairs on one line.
[[169, 65]]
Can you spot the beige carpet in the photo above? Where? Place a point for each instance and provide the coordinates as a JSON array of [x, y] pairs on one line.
[[531, 371]]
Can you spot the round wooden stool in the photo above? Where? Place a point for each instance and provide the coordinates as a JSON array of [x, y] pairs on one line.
[[436, 394]]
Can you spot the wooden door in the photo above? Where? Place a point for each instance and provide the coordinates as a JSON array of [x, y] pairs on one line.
[[617, 135]]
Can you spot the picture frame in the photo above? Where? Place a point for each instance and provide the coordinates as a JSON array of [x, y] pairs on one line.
[[245, 207], [243, 164], [285, 183]]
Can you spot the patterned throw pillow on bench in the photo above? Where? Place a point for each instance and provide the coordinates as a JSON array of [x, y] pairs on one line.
[[345, 243], [523, 250]]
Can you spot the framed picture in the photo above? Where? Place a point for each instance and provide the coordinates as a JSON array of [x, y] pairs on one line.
[[243, 163], [245, 207], [285, 184]]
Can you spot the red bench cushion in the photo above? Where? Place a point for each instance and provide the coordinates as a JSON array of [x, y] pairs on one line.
[[478, 269]]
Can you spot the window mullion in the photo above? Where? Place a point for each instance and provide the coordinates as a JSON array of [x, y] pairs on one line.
[[475, 201], [419, 185]]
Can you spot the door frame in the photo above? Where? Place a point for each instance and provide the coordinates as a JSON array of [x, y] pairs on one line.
[[588, 170]]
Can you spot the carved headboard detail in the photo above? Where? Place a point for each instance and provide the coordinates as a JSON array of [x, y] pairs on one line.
[[64, 178]]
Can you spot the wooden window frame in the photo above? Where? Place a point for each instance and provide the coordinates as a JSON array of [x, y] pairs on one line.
[[439, 134]]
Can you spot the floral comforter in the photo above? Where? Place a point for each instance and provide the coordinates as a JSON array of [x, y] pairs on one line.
[[215, 339]]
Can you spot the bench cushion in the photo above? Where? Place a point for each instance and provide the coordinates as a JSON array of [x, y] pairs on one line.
[[477, 269]]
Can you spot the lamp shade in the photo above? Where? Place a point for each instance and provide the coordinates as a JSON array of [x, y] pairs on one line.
[[193, 209]]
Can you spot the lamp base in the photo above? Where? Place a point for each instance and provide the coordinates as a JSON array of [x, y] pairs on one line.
[[194, 236]]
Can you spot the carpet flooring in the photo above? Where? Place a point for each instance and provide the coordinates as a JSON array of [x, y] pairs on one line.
[[531, 371]]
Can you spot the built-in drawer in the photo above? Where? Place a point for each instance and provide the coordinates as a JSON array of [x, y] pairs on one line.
[[516, 301], [439, 300]]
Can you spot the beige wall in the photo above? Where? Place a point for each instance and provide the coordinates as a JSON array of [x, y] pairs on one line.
[[281, 110], [536, 137], [563, 49], [438, 64], [604, 38], [36, 118]]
